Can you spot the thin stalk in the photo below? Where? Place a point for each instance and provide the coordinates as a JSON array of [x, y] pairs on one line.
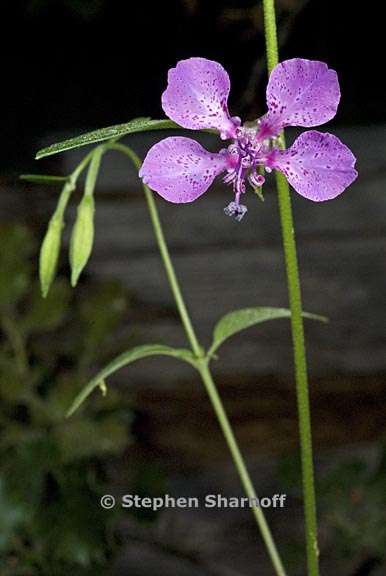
[[241, 468], [295, 300], [170, 272], [204, 370], [70, 183]]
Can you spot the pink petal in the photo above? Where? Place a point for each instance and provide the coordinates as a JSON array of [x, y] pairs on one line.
[[180, 169], [317, 165], [301, 93], [197, 94]]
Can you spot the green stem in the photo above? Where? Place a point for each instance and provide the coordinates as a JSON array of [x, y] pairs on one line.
[[170, 272], [70, 184], [294, 292], [204, 370], [241, 468]]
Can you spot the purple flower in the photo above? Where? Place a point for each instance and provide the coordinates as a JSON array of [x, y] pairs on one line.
[[299, 93]]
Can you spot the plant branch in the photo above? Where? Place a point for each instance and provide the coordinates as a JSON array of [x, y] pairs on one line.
[[204, 370]]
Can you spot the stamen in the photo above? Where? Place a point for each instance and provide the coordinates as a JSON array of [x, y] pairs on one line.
[[230, 177], [256, 180], [250, 149], [236, 210], [240, 186]]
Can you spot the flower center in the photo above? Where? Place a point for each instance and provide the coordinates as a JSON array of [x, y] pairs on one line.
[[245, 155]]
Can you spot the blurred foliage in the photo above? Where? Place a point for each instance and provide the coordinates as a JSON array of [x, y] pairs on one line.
[[353, 497], [84, 9], [53, 470], [352, 508]]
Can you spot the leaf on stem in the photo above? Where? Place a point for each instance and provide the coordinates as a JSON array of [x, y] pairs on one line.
[[239, 320], [128, 358], [43, 179], [108, 133]]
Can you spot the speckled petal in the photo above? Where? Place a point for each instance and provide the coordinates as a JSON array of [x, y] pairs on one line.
[[180, 169], [301, 93], [197, 94], [317, 165]]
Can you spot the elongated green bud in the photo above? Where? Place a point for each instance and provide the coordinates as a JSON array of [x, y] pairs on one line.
[[82, 238], [49, 253]]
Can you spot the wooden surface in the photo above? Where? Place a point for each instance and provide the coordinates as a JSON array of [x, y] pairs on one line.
[[224, 265]]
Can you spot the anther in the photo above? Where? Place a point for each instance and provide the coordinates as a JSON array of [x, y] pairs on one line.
[[236, 210]]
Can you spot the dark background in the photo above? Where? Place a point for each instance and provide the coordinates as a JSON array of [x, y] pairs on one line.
[[69, 66], [73, 64]]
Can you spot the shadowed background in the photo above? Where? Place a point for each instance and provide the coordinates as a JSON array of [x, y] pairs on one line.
[[72, 65]]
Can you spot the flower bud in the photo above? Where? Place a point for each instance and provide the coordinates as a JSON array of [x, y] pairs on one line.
[[49, 253], [82, 238]]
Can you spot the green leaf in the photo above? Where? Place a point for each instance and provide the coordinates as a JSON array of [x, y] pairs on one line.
[[111, 132], [239, 320], [43, 178], [128, 358]]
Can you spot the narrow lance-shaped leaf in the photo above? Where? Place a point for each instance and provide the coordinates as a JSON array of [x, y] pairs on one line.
[[123, 360], [108, 133], [82, 236], [43, 178], [239, 320]]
